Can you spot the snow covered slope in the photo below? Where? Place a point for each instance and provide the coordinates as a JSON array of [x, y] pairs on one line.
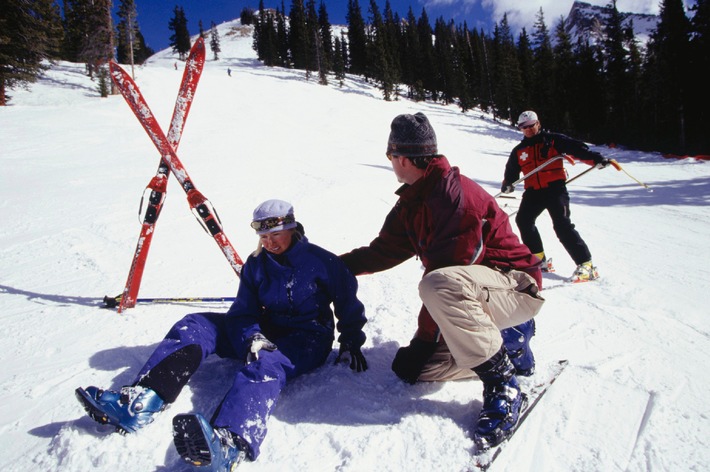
[[73, 168]]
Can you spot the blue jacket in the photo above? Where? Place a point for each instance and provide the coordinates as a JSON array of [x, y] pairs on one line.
[[294, 291]]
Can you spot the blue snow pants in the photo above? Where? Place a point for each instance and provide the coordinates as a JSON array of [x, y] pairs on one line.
[[256, 386]]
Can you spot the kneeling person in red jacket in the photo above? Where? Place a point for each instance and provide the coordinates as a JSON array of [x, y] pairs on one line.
[[479, 278]]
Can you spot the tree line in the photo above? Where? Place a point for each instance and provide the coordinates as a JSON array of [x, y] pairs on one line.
[[35, 32], [614, 91]]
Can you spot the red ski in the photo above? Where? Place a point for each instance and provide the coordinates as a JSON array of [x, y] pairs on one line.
[[199, 204], [158, 184]]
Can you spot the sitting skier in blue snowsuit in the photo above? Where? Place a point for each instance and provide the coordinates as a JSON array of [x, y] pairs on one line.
[[281, 324]]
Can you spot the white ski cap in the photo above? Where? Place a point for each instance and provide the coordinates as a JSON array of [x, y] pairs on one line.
[[527, 118], [273, 215]]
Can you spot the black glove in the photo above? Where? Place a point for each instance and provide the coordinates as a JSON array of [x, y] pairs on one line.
[[409, 361], [358, 363], [604, 163], [257, 342], [506, 188]]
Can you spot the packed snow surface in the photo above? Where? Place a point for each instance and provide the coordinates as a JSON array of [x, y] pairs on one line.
[[73, 169]]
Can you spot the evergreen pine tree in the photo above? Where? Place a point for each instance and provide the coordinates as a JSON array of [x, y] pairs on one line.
[[257, 35], [426, 69], [698, 109], [298, 35], [378, 54], [393, 34], [471, 65], [75, 28], [127, 28], [28, 35], [670, 64], [247, 16], [338, 61], [444, 60], [315, 46], [143, 51], [214, 41], [563, 78], [49, 16], [543, 89], [508, 89], [180, 39], [89, 34], [526, 61], [462, 64], [325, 32], [617, 81], [410, 58], [357, 39], [588, 109], [487, 68], [282, 44]]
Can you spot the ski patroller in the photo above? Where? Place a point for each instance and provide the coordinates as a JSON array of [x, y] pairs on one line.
[[201, 207], [158, 184], [484, 459]]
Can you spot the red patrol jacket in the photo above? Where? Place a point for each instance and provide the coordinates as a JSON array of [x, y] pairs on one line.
[[532, 152]]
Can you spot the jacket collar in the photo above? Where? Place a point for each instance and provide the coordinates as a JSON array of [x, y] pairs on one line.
[[292, 254], [437, 168]]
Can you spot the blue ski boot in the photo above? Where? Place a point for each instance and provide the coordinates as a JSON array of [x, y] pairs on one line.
[[127, 410], [517, 342], [204, 447], [502, 402]]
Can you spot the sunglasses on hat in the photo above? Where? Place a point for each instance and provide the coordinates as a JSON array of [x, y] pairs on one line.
[[271, 223]]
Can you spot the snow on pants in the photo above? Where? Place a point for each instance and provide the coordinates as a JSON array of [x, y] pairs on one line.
[[255, 389], [470, 305], [554, 199]]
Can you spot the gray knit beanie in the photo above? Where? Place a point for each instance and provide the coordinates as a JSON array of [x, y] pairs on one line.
[[412, 136]]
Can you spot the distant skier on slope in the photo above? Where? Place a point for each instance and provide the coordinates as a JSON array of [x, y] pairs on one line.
[[546, 190], [479, 278], [281, 324]]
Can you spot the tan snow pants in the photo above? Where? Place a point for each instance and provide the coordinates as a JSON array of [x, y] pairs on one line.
[[471, 304]]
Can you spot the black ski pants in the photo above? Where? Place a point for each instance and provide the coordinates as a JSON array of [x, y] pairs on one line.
[[554, 199]]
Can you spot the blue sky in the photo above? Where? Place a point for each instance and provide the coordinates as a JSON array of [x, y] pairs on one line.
[[154, 15]]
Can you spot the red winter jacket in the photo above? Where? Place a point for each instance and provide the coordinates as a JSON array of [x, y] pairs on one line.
[[446, 219], [531, 152]]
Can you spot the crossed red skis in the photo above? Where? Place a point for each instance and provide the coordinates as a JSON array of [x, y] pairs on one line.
[[169, 162]]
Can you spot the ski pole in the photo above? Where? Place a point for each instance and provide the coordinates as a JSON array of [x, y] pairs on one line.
[[537, 169], [617, 166], [113, 302], [581, 174]]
